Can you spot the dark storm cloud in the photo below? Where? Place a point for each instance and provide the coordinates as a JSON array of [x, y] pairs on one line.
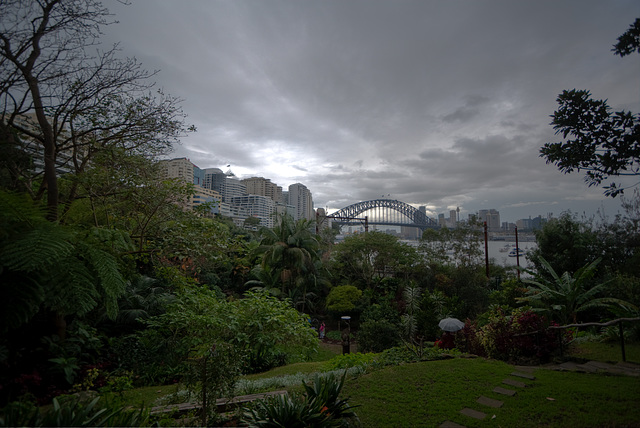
[[435, 103]]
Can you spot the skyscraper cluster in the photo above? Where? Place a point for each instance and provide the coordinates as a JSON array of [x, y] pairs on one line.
[[240, 199]]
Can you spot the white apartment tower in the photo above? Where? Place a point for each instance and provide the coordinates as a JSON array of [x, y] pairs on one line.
[[261, 207], [233, 188], [300, 197]]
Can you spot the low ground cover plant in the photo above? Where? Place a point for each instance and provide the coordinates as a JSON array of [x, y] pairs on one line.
[[320, 406]]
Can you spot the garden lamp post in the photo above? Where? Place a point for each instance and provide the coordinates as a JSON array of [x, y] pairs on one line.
[[346, 335]]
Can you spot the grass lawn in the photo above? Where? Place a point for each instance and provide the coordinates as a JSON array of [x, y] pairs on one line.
[[429, 393]]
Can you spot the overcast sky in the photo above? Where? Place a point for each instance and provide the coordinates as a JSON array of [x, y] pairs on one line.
[[436, 103]]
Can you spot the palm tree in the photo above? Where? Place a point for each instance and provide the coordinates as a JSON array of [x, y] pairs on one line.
[[264, 277], [566, 295], [289, 248]]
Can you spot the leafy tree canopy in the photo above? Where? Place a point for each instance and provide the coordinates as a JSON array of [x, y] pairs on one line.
[[602, 143]]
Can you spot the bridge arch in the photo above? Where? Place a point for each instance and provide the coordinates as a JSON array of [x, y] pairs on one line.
[[415, 217]]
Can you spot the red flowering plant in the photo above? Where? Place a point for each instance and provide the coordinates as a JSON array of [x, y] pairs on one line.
[[468, 340], [519, 335]]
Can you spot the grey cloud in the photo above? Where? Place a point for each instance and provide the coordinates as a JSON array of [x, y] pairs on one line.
[[445, 103]]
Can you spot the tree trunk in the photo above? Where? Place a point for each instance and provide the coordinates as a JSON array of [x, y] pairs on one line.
[[61, 325]]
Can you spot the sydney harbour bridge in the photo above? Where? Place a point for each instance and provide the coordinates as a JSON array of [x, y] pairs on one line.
[[389, 212]]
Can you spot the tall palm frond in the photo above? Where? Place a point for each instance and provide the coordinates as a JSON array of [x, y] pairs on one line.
[[566, 295]]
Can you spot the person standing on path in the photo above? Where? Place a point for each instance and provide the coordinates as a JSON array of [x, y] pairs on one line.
[[322, 329]]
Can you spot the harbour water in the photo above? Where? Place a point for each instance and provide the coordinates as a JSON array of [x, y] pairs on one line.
[[499, 257], [502, 258]]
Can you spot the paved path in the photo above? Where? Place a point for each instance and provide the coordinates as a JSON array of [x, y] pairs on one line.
[[621, 368]]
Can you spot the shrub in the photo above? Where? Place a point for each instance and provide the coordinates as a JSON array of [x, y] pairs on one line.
[[523, 334], [378, 335], [343, 298], [349, 360]]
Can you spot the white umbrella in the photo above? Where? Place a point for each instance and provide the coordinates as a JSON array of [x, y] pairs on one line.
[[451, 324]]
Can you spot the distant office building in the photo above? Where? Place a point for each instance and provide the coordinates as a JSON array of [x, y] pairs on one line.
[[508, 227], [492, 217], [442, 222], [453, 218], [214, 179], [300, 197], [323, 222]]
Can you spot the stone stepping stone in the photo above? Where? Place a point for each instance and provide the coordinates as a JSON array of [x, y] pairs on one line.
[[473, 413], [503, 391], [449, 424], [515, 383], [486, 401], [524, 375]]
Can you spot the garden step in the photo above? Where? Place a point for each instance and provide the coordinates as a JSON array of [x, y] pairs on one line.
[[473, 413], [515, 383], [486, 401], [503, 391], [524, 375], [449, 424]]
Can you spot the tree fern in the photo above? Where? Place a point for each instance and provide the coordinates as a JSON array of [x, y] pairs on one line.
[[71, 288], [36, 249], [110, 281]]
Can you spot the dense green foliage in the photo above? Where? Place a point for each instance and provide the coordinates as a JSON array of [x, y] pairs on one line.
[[108, 282], [72, 412]]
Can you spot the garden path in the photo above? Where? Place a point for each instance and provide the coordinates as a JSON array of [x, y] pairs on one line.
[[524, 377]]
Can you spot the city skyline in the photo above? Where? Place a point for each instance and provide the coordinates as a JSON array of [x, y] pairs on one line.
[[442, 104], [494, 220]]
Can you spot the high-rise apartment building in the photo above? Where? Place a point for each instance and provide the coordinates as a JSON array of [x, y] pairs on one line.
[[300, 197], [258, 206], [263, 187], [233, 188], [183, 169], [179, 168]]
